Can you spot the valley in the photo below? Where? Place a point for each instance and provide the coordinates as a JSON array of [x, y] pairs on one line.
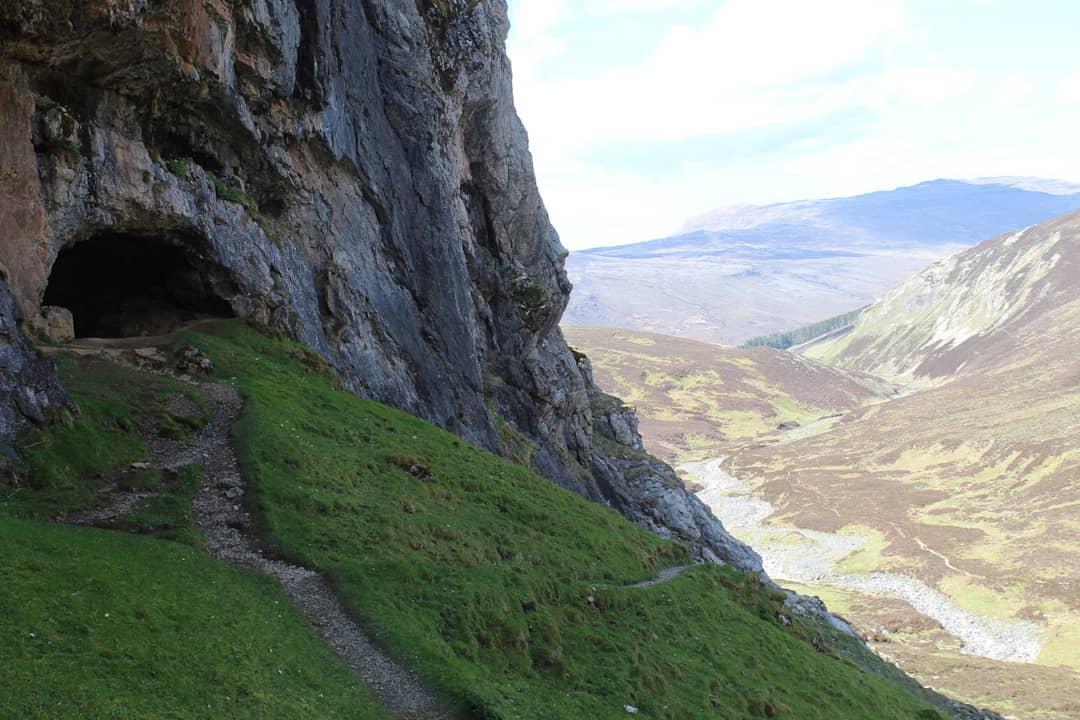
[[936, 506], [289, 425]]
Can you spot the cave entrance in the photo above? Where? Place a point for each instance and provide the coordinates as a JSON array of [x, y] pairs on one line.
[[127, 285]]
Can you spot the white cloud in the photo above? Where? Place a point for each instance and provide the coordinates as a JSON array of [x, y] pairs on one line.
[[531, 40], [1070, 88], [1012, 92], [737, 72], [755, 43], [913, 108], [610, 206], [537, 17], [606, 8], [921, 86]]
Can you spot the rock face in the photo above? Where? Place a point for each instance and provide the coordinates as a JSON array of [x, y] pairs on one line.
[[350, 172], [29, 391], [648, 491]]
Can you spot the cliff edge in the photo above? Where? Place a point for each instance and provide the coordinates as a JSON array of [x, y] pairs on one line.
[[350, 174]]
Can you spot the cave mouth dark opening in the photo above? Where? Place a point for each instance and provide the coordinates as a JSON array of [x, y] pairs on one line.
[[119, 285]]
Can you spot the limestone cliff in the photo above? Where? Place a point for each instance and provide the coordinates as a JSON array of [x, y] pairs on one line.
[[349, 172], [29, 391]]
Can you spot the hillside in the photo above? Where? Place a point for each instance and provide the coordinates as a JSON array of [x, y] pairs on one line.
[[750, 271], [510, 596], [1007, 301], [699, 400], [980, 467]]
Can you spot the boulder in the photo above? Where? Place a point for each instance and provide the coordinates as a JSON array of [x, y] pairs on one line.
[[53, 324]]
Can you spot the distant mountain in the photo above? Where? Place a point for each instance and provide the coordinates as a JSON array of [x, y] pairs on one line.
[[1005, 301], [1046, 185], [744, 271], [930, 213]]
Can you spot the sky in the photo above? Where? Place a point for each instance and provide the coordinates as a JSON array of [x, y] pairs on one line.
[[644, 113]]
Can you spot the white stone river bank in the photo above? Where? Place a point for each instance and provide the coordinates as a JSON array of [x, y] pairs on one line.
[[811, 557]]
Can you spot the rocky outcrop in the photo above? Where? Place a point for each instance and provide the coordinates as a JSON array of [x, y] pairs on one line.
[[648, 491], [30, 393], [351, 173]]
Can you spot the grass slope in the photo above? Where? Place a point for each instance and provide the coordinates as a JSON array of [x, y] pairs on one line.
[[66, 466], [501, 588], [100, 624]]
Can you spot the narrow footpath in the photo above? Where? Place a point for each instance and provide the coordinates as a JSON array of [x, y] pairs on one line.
[[221, 516], [666, 575]]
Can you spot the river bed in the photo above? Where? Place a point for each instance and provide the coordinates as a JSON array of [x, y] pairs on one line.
[[811, 557]]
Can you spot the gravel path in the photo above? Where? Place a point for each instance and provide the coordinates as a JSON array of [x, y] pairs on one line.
[[221, 516]]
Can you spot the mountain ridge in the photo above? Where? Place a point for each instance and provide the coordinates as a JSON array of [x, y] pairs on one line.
[[924, 194], [769, 269], [967, 312]]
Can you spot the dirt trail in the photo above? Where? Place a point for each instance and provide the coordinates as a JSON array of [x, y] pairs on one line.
[[664, 576], [221, 516]]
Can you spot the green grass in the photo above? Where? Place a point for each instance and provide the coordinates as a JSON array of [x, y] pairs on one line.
[[232, 194], [479, 574], [64, 467], [501, 589], [168, 514], [100, 624], [180, 167]]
